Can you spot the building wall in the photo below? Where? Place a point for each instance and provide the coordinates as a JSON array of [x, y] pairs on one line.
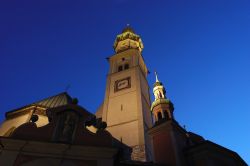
[[42, 120], [20, 117], [127, 111], [30, 153], [169, 141], [127, 133], [13, 123], [121, 104], [164, 149]]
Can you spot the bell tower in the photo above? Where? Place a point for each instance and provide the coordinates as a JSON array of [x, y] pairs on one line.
[[126, 108], [162, 108], [168, 137]]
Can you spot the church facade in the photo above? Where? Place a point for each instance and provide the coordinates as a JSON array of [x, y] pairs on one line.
[[127, 129]]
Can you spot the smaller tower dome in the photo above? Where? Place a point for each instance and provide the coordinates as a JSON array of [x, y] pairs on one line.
[[162, 108], [128, 40]]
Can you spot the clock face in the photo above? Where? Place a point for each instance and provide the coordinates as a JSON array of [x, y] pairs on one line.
[[122, 84]]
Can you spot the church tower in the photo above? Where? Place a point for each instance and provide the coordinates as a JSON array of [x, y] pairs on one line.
[[162, 108], [168, 137], [126, 108]]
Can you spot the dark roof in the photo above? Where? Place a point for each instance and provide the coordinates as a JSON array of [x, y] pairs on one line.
[[195, 138], [55, 101], [60, 99], [208, 146]]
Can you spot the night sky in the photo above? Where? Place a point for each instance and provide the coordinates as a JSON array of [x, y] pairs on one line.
[[200, 49]]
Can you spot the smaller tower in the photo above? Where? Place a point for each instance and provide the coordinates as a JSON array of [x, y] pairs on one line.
[[162, 108], [168, 137]]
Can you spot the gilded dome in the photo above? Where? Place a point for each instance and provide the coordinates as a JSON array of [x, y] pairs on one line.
[[127, 40], [128, 29]]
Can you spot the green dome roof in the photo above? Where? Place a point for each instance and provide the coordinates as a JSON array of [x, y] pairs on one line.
[[159, 101], [157, 84], [128, 29], [128, 33]]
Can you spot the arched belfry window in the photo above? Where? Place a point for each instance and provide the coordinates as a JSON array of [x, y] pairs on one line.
[[160, 94], [120, 68], [159, 115], [126, 66], [166, 114], [123, 66]]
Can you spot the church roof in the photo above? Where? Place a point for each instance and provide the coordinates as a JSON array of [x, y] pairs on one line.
[[55, 101], [210, 149], [60, 99]]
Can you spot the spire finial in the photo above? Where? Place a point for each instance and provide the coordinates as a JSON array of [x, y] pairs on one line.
[[128, 29], [156, 77]]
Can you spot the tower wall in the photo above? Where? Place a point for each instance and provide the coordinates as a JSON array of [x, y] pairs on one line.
[[126, 107], [169, 140]]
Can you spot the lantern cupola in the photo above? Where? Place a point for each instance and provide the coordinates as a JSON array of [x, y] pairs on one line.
[[162, 108], [127, 40]]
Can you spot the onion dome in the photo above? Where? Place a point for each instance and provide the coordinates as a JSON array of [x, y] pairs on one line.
[[160, 101], [162, 108], [128, 40], [159, 90]]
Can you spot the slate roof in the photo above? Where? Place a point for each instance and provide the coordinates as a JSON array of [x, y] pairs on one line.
[[58, 100], [207, 147], [55, 101]]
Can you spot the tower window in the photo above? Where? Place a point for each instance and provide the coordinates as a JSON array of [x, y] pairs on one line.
[[160, 94], [159, 115], [166, 114], [126, 66], [120, 68]]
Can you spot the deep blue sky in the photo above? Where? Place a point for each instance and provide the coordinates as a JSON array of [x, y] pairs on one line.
[[200, 48]]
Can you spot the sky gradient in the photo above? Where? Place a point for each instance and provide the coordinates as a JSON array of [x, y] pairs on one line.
[[200, 49]]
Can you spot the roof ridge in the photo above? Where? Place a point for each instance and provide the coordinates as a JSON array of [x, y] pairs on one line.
[[48, 102], [52, 97]]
